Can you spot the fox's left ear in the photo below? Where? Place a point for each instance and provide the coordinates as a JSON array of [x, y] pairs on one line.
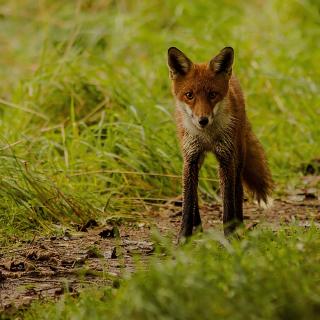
[[223, 62]]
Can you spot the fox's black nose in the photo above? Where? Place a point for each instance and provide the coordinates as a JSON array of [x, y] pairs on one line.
[[203, 121]]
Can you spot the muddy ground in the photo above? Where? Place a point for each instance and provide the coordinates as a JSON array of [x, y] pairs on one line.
[[94, 255]]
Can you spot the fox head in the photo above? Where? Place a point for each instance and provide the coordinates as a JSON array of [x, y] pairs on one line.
[[200, 88]]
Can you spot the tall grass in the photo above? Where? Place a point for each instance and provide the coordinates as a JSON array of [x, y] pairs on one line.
[[85, 90]]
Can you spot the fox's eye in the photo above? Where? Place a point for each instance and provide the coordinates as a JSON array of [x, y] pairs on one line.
[[189, 95], [212, 95]]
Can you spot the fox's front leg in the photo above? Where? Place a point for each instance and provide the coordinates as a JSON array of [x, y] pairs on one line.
[[190, 175], [227, 186], [238, 198], [196, 216]]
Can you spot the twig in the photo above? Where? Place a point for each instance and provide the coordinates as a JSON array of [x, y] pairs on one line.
[[24, 109], [10, 145], [57, 280], [137, 173]]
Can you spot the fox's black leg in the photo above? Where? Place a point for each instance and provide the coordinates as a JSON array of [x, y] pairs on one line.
[[238, 200], [196, 217], [189, 192], [227, 186]]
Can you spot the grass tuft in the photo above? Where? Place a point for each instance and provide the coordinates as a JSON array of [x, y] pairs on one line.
[[264, 276]]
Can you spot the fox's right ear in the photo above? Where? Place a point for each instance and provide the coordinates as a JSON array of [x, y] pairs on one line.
[[179, 64], [222, 62]]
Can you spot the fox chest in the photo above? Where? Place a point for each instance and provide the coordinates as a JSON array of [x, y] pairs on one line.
[[215, 139]]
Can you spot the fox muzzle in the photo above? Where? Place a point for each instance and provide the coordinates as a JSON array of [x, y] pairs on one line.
[[203, 121]]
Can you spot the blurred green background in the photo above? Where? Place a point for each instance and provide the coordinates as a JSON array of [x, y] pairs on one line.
[[84, 88]]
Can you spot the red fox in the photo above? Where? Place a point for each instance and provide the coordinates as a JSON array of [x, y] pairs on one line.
[[210, 116]]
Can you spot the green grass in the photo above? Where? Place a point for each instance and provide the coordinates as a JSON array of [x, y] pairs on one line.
[[264, 276], [84, 92], [85, 88]]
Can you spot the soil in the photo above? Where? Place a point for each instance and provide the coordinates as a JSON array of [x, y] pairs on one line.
[[46, 268]]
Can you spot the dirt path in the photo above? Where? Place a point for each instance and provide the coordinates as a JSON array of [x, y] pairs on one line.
[[42, 268]]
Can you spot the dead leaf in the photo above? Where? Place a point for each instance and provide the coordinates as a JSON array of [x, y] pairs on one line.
[[80, 261], [8, 265], [132, 248], [311, 193], [129, 242], [314, 181], [53, 260], [43, 254], [297, 192], [248, 227], [145, 243], [296, 198], [46, 273], [38, 254], [308, 178], [66, 262], [30, 254], [62, 245], [251, 225], [14, 265], [29, 266]]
